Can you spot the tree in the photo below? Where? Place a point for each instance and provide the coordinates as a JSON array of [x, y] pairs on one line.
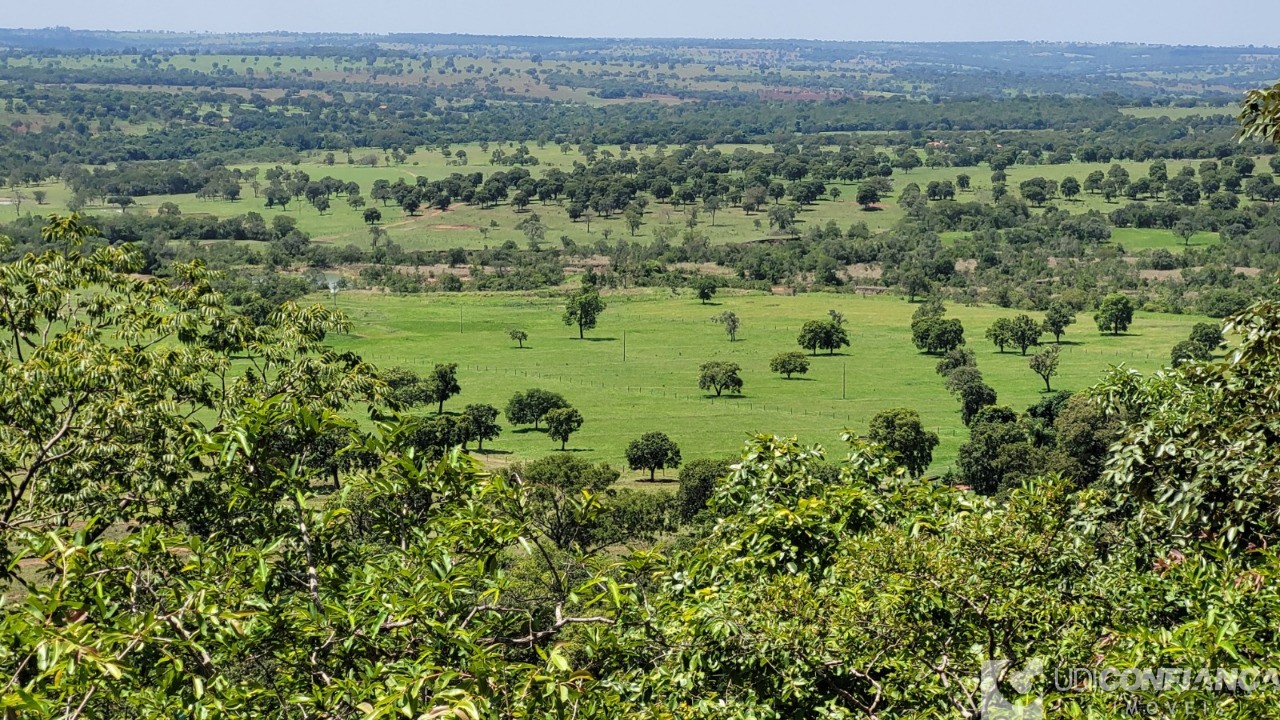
[[320, 203], [720, 376], [532, 405], [1189, 351], [653, 451], [1070, 187], [1114, 314], [997, 454], [583, 309], [407, 389], [731, 323], [1209, 335], [1185, 230], [1057, 318], [967, 385], [39, 196], [954, 359], [828, 335], [902, 433], [789, 363], [480, 423], [868, 196], [711, 205], [1024, 332], [520, 336], [1001, 332], [442, 384], [1045, 364], [561, 423], [706, 288], [372, 215], [123, 201], [936, 335], [698, 479]]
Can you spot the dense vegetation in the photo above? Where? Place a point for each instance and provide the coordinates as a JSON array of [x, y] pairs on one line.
[[218, 500]]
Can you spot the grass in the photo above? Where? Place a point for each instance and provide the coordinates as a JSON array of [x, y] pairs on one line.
[[666, 339], [1135, 239]]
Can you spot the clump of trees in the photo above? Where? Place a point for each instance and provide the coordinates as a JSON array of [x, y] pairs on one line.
[[829, 334], [532, 406], [934, 333]]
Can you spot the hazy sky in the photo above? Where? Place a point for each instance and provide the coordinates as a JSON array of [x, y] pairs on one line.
[[1194, 22]]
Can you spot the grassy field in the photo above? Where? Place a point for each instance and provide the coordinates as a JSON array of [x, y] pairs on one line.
[[666, 339], [461, 225]]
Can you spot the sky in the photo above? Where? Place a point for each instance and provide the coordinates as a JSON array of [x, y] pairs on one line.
[[1182, 22]]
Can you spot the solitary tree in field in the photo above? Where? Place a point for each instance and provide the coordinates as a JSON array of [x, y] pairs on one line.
[[653, 451], [1115, 314], [868, 196], [720, 376], [1024, 332], [561, 423], [789, 363], [1057, 318], [828, 335], [902, 433], [39, 196], [583, 310], [519, 336], [729, 319], [1045, 364], [706, 288], [1186, 230], [123, 201], [480, 423], [1001, 333], [372, 215], [532, 405], [442, 383]]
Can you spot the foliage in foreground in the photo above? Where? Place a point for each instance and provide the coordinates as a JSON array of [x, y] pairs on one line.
[[172, 548]]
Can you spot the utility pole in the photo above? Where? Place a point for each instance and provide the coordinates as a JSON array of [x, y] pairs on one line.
[[844, 379], [624, 346]]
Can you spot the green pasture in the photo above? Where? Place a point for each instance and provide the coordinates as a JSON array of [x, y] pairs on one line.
[[665, 339], [1135, 239], [1179, 113]]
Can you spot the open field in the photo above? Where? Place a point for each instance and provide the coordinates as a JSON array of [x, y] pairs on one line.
[[461, 225], [1179, 113], [667, 338]]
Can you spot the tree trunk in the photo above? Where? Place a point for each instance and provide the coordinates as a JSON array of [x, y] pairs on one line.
[[563, 443], [651, 472], [440, 408]]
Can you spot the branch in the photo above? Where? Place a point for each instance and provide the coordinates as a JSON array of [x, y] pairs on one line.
[[540, 635]]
